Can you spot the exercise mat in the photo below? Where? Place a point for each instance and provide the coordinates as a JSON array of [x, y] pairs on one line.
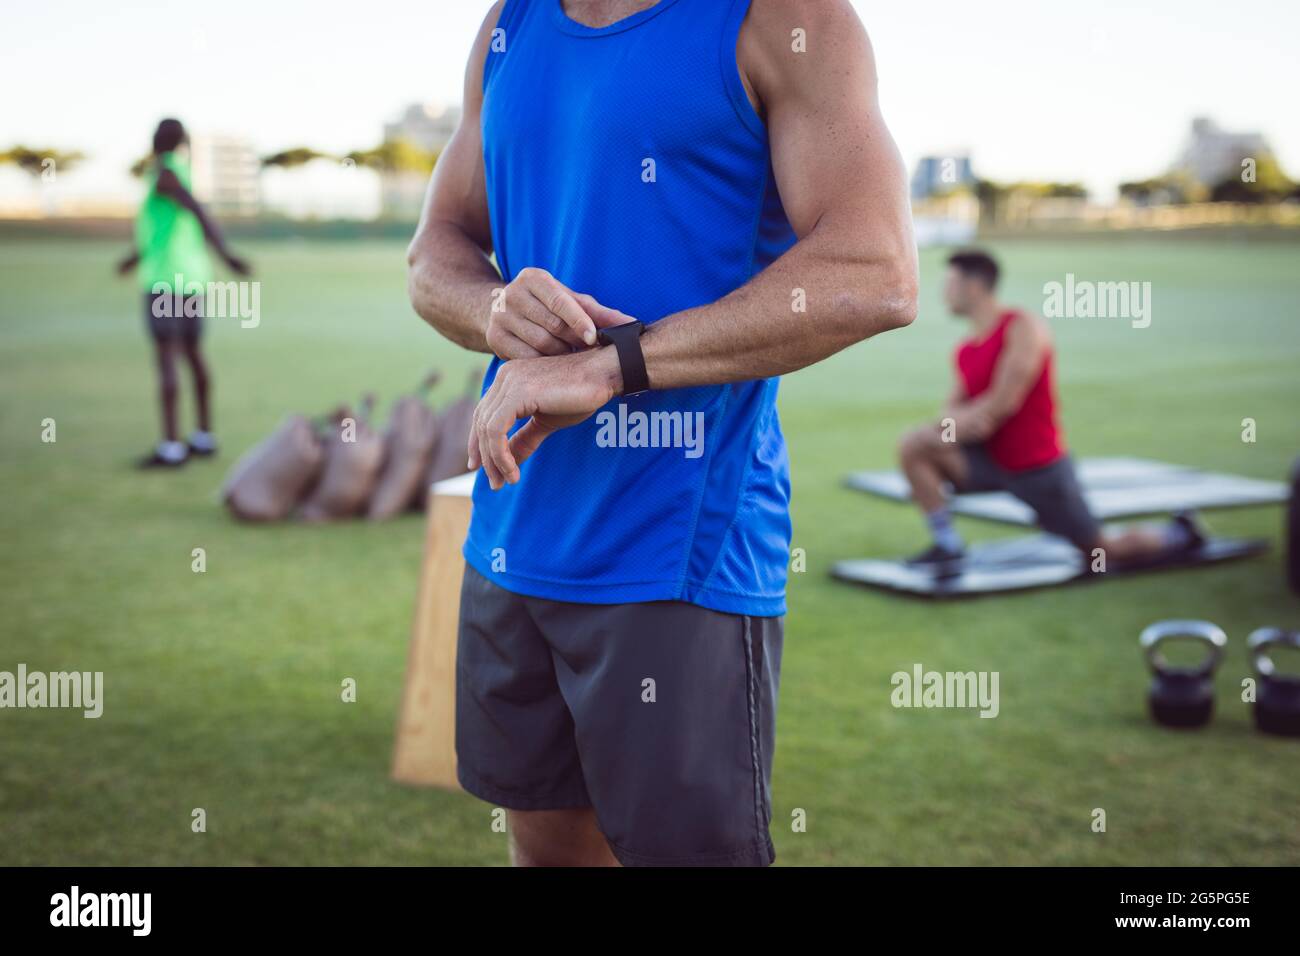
[[1112, 487], [1022, 564]]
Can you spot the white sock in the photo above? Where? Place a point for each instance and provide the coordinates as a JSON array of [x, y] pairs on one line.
[[941, 527]]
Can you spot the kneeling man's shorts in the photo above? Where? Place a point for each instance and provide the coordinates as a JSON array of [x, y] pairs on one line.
[[1052, 491], [660, 716]]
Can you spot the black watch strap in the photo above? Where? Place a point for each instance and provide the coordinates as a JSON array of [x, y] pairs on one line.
[[626, 339]]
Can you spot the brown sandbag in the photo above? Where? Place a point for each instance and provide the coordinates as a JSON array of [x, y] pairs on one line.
[[408, 444], [351, 467], [273, 475], [450, 456]]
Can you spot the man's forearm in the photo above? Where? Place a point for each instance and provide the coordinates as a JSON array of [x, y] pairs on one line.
[[977, 420], [451, 283], [758, 331]]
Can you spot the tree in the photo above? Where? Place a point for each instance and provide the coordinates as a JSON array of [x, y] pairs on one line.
[[993, 196], [1169, 189], [1066, 191], [40, 163], [395, 156], [293, 158], [1266, 183]]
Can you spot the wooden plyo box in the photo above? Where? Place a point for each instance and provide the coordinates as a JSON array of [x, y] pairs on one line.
[[424, 752]]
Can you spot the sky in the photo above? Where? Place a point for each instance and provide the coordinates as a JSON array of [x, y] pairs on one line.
[[1099, 91]]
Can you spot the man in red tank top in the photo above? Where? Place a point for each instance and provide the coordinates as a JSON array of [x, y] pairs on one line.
[[999, 432]]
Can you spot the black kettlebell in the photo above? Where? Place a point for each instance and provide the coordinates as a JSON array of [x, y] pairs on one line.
[[1182, 696], [1277, 696]]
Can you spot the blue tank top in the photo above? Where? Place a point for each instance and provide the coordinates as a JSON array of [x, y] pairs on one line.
[[628, 162]]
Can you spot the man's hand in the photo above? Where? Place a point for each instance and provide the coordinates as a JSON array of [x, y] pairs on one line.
[[128, 263], [537, 315], [551, 392], [238, 266]]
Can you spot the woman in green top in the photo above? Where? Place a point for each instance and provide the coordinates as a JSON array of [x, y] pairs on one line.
[[171, 235]]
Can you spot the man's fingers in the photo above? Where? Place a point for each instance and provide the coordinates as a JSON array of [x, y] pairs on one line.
[[536, 336], [490, 435], [537, 297], [495, 481], [602, 315], [560, 302], [474, 458], [533, 310], [510, 346], [479, 460], [478, 446], [495, 442], [526, 441]]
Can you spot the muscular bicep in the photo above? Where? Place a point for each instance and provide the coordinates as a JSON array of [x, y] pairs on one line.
[[836, 165], [458, 191]]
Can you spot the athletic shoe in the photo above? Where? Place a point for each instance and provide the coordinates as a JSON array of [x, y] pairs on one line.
[[167, 454], [1187, 533], [945, 563], [202, 443]]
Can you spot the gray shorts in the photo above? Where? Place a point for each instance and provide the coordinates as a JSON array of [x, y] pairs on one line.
[[174, 317], [659, 716], [1052, 491]]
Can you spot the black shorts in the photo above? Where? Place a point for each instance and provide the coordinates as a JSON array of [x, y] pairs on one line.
[[171, 316], [659, 716], [1052, 491]]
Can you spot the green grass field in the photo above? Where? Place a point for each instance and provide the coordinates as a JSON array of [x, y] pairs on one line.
[[222, 688]]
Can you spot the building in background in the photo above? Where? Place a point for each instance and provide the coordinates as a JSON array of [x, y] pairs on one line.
[[945, 211], [226, 173], [940, 175], [1213, 155], [429, 128]]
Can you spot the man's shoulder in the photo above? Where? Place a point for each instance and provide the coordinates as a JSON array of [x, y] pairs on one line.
[[773, 29], [486, 29], [779, 18], [1028, 325]]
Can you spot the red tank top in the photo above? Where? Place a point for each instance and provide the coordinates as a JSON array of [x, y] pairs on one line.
[[1030, 437]]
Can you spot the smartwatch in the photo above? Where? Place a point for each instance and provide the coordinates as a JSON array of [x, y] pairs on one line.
[[626, 339]]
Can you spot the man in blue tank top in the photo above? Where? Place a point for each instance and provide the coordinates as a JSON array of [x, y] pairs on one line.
[[714, 174]]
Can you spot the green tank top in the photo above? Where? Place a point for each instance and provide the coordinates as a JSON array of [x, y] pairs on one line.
[[168, 236]]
